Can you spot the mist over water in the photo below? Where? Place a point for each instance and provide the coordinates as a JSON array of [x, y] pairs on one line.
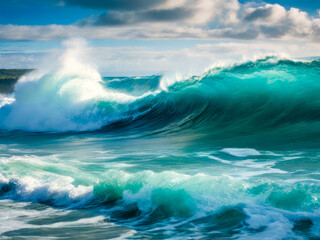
[[229, 153]]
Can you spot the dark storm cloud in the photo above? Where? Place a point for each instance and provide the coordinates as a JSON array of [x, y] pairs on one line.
[[259, 13], [116, 18], [274, 31], [167, 15], [110, 19], [245, 34], [120, 5]]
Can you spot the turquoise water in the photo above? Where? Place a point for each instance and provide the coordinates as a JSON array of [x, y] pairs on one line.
[[229, 154]]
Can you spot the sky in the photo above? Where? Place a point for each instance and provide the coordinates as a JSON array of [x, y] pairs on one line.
[[141, 37]]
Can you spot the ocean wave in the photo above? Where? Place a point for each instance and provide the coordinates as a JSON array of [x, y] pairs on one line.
[[242, 98], [169, 193], [203, 201]]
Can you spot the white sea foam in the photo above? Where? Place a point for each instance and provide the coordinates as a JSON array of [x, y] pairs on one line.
[[277, 225], [6, 100], [241, 152], [65, 95]]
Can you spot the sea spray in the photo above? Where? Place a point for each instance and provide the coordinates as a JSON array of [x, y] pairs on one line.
[[64, 96]]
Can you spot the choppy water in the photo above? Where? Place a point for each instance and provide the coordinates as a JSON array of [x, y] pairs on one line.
[[232, 153]]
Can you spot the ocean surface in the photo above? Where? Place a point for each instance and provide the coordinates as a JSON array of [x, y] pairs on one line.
[[231, 153]]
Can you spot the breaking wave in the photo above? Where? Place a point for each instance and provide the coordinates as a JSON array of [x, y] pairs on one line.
[[242, 98]]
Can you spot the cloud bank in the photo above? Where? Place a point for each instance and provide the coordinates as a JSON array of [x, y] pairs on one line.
[[176, 19]]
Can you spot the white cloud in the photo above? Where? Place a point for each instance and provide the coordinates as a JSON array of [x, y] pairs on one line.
[[268, 14], [193, 12], [177, 19], [300, 22]]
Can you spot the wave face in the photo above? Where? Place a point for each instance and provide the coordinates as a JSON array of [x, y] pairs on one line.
[[265, 95], [243, 98]]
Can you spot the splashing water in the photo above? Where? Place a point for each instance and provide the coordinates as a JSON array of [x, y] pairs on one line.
[[65, 96]]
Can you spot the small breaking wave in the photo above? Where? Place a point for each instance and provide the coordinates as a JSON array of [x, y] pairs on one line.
[[202, 200]]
